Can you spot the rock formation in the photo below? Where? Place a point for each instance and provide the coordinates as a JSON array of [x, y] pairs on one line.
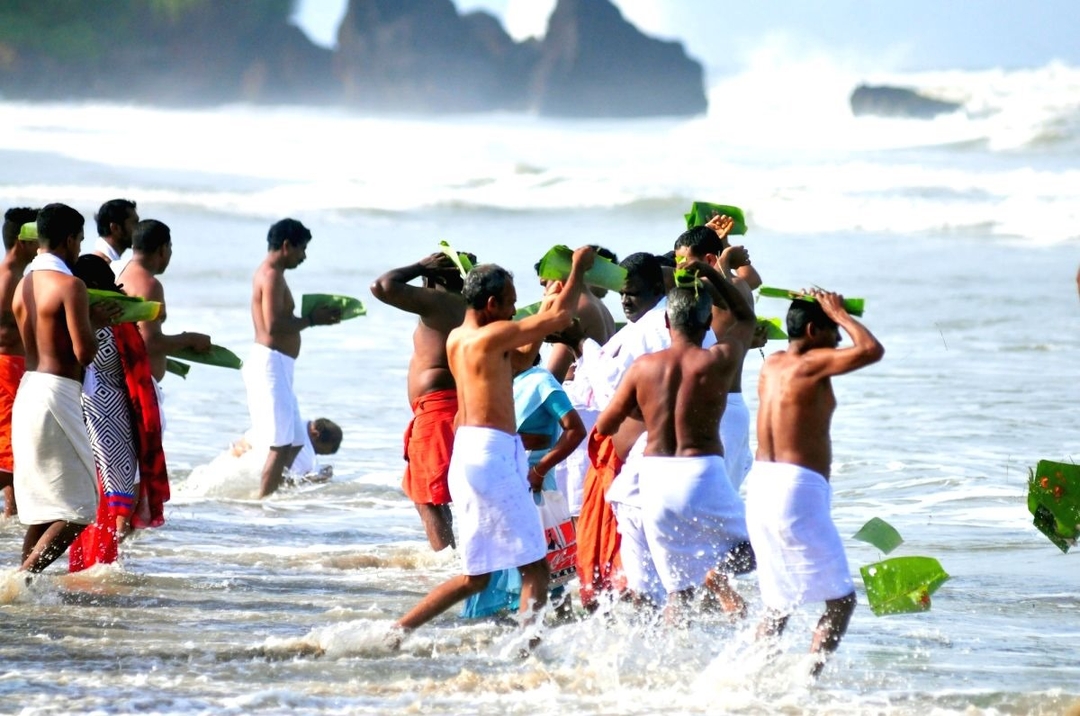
[[897, 102]]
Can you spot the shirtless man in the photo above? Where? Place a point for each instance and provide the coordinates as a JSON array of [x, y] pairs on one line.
[[116, 220], [152, 244], [12, 355], [691, 514], [55, 476], [800, 555], [268, 371], [429, 438], [709, 244], [498, 523]]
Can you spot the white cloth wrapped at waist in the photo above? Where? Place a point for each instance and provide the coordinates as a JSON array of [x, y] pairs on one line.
[[800, 556], [55, 477], [691, 516], [498, 524]]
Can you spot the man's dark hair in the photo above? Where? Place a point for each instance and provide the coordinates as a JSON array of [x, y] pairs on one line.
[[700, 240], [56, 222], [114, 211], [328, 433], [289, 230], [14, 218], [689, 309], [483, 282], [804, 313], [645, 267], [149, 236]]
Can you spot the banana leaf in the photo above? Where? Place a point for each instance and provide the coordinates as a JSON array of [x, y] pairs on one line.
[[461, 260], [902, 585], [701, 212], [774, 330], [854, 306], [132, 308], [879, 533], [1054, 501], [555, 266], [525, 311], [350, 307], [28, 231], [216, 356], [177, 367]]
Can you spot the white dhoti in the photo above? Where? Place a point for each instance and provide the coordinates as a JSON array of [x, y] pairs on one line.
[[498, 523], [570, 473], [692, 517], [275, 412], [799, 552], [625, 499], [735, 436], [55, 478]]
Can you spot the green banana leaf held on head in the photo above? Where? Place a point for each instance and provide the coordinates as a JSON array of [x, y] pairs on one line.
[[460, 259], [556, 263], [702, 212], [854, 306]]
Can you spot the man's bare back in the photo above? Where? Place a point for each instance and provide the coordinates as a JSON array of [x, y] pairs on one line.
[[52, 310], [795, 395]]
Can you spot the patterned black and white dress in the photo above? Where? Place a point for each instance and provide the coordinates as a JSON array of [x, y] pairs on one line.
[[108, 415]]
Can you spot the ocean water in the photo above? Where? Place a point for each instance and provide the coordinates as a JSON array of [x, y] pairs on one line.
[[961, 234]]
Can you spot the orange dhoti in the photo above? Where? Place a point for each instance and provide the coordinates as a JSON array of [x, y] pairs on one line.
[[429, 440], [599, 566], [11, 372]]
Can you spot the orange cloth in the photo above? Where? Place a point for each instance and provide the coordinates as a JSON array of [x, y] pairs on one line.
[[599, 566], [429, 440], [11, 373]]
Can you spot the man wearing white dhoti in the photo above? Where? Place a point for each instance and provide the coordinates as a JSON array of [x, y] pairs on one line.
[[498, 524], [799, 552], [691, 516], [55, 480]]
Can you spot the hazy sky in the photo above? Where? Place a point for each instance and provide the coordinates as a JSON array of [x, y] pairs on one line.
[[878, 34]]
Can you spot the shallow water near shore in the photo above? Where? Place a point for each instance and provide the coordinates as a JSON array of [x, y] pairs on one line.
[[245, 606]]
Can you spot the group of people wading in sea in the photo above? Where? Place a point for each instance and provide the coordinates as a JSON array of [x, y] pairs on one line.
[[642, 431]]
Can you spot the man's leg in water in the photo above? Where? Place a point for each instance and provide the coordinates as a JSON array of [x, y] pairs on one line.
[[45, 543], [274, 469], [443, 597], [438, 524], [831, 628]]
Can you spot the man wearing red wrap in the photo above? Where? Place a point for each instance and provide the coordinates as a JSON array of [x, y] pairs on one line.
[[429, 438], [12, 354]]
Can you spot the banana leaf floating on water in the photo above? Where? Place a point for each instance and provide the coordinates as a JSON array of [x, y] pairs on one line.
[[854, 306], [349, 307], [701, 212], [1054, 501], [902, 585], [879, 533], [460, 259], [217, 356], [555, 266], [132, 308], [177, 367]]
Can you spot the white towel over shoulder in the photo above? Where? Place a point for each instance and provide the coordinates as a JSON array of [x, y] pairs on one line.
[[800, 557]]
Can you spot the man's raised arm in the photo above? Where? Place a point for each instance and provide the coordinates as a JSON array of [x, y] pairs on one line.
[[867, 348], [392, 288]]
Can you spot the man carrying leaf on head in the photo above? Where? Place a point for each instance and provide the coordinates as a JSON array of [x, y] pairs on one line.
[[799, 552], [432, 391]]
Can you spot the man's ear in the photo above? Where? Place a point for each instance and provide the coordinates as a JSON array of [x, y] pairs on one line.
[[712, 260]]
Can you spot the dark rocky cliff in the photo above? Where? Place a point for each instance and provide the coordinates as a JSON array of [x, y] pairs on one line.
[[392, 56]]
